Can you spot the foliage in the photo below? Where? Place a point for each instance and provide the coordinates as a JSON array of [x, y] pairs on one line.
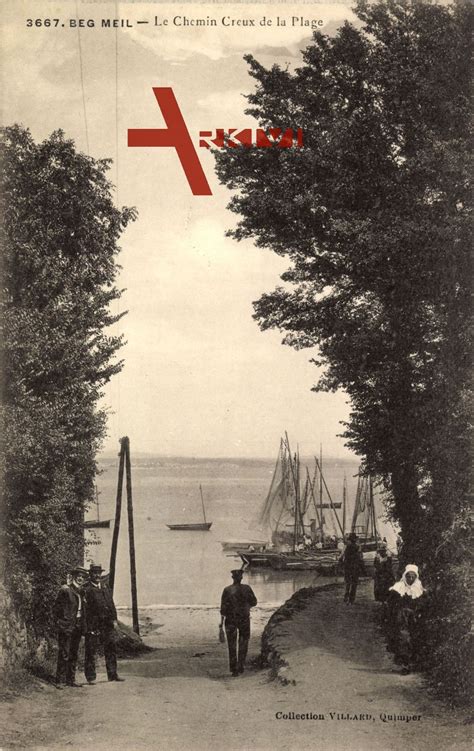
[[374, 216], [59, 238]]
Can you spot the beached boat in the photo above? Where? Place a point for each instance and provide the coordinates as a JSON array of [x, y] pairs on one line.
[[194, 526]]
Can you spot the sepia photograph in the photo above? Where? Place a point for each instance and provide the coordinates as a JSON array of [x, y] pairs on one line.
[[236, 375]]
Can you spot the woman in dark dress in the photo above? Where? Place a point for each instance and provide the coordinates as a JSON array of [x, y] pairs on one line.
[[405, 603]]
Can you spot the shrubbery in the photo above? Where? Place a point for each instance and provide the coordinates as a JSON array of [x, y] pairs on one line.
[[59, 245]]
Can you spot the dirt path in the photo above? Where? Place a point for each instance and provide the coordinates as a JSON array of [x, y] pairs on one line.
[[182, 697]]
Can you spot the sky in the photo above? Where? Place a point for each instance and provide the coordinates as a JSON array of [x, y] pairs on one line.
[[199, 377]]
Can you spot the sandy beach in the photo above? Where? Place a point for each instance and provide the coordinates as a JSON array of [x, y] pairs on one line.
[[180, 696]]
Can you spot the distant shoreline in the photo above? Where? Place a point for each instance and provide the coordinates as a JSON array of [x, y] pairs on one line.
[[144, 456]]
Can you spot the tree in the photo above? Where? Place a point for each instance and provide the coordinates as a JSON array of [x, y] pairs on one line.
[[60, 243], [374, 215]]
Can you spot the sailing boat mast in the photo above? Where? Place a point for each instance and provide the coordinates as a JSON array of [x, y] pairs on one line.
[[322, 482], [202, 502], [297, 499], [344, 501], [372, 508], [321, 491]]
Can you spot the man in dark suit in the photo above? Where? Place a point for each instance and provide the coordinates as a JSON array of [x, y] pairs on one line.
[[353, 563], [101, 626], [70, 615], [236, 601]]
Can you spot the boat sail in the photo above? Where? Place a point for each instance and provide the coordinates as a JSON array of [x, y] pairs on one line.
[[365, 526], [364, 522], [196, 526], [295, 518]]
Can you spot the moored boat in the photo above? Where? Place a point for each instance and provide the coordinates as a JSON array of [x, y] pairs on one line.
[[199, 526], [297, 512], [98, 522], [95, 523], [265, 558], [193, 526]]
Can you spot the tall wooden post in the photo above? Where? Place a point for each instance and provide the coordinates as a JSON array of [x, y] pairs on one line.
[[118, 509], [344, 501], [131, 537], [321, 490]]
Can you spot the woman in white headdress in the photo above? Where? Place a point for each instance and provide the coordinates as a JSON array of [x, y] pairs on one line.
[[410, 584], [405, 602]]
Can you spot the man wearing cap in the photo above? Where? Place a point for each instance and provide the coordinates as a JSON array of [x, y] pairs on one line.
[[101, 624], [70, 614], [236, 601], [353, 563]]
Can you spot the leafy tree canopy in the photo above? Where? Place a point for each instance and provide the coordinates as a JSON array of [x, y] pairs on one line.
[[60, 243], [373, 214]]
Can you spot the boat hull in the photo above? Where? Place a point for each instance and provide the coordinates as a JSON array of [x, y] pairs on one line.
[[241, 545], [91, 524], [258, 559], [323, 562], [190, 527]]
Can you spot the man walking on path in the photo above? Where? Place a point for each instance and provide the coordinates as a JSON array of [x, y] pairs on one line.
[[351, 559], [101, 625], [70, 615], [236, 601]]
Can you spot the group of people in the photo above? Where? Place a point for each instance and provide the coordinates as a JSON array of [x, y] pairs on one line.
[[84, 607], [402, 601]]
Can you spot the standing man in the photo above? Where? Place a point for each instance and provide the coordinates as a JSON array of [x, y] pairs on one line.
[[236, 601], [352, 561], [70, 615], [101, 625], [383, 573]]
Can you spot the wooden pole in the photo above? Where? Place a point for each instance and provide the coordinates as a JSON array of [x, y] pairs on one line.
[[344, 501], [118, 509], [321, 490], [131, 537]]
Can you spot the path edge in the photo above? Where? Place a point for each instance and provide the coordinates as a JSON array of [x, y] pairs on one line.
[[273, 634]]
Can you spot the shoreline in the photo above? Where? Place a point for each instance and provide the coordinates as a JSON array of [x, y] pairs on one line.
[[334, 669]]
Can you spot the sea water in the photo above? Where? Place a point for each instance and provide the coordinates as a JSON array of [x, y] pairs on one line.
[[183, 569]]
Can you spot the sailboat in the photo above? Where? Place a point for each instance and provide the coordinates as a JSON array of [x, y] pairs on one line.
[[196, 526], [364, 523], [286, 511], [95, 523]]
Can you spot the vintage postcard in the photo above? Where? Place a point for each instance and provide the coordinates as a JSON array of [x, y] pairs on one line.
[[234, 373]]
